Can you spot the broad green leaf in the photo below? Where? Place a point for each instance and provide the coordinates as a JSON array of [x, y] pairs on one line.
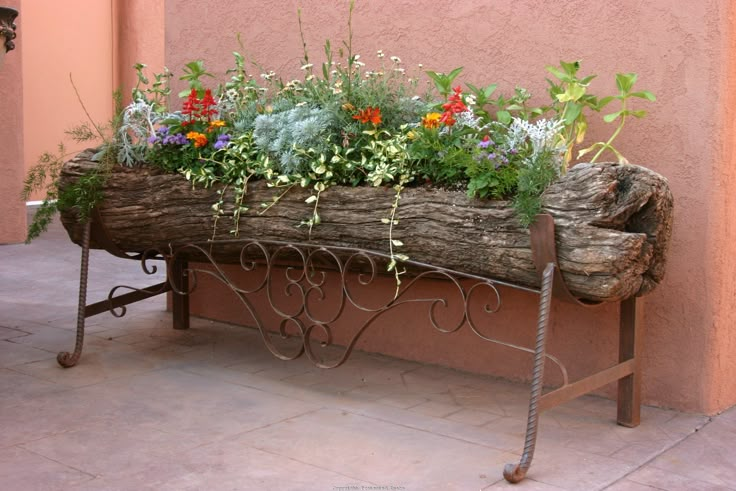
[[624, 81], [605, 101], [557, 73], [572, 111], [503, 117], [488, 91], [644, 94], [609, 118], [571, 68], [588, 79], [453, 74], [638, 114]]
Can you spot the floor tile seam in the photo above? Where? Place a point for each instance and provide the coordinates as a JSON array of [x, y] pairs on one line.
[[690, 478], [82, 471], [440, 434], [40, 379], [695, 430], [259, 389], [311, 464], [21, 334], [649, 462], [28, 346], [526, 479]]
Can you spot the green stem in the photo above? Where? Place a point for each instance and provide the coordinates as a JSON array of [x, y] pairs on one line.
[[610, 140]]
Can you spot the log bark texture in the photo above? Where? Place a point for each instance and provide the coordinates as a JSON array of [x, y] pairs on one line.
[[613, 223]]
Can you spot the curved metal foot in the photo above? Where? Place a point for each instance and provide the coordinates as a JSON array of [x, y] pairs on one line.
[[513, 473], [66, 359]]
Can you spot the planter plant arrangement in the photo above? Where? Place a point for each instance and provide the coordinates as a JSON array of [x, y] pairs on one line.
[[356, 151]]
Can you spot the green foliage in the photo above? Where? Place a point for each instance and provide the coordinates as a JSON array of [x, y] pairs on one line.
[[533, 179], [346, 121], [625, 83]]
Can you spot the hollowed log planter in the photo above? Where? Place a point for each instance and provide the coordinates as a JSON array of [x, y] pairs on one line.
[[613, 223]]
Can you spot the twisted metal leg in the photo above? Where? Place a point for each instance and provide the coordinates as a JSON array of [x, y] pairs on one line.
[[65, 358], [514, 473]]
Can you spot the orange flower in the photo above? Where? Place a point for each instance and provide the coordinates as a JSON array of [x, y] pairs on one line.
[[218, 123], [431, 120], [369, 115], [200, 140]]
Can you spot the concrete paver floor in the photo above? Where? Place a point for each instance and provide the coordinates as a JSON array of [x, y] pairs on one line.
[[149, 407]]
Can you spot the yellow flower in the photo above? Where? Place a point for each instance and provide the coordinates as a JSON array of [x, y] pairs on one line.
[[431, 120], [218, 123], [411, 135]]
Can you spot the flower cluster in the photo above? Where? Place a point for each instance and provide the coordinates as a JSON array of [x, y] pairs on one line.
[[454, 105], [199, 109], [348, 123]]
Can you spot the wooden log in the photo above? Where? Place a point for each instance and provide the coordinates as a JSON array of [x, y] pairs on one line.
[[613, 223]]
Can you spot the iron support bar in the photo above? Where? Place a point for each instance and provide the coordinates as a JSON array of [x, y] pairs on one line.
[[65, 358], [126, 299], [583, 386], [629, 387], [180, 296]]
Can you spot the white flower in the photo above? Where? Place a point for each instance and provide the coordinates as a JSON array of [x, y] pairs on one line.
[[396, 59], [470, 100], [380, 54], [307, 66], [359, 63]]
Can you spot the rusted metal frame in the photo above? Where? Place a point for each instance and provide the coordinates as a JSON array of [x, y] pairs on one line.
[[66, 359], [583, 386], [629, 387], [95, 231], [178, 272], [126, 299], [626, 372], [552, 285]]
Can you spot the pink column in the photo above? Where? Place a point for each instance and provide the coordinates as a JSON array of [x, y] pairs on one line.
[[12, 209]]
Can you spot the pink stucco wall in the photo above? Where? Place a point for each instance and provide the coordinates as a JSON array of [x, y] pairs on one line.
[[12, 210], [74, 40], [681, 50], [138, 36]]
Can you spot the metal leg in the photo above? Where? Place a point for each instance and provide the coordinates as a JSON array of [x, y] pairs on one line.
[[180, 295], [65, 358], [514, 473], [629, 387]]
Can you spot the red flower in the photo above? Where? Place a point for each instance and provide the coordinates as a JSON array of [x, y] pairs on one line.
[[191, 105], [207, 103], [369, 115], [453, 105]]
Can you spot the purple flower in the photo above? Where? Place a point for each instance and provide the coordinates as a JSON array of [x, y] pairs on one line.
[[162, 131], [153, 139], [484, 144], [177, 139], [222, 141]]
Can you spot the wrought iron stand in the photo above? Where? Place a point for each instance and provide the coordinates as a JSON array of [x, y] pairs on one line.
[[306, 278]]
